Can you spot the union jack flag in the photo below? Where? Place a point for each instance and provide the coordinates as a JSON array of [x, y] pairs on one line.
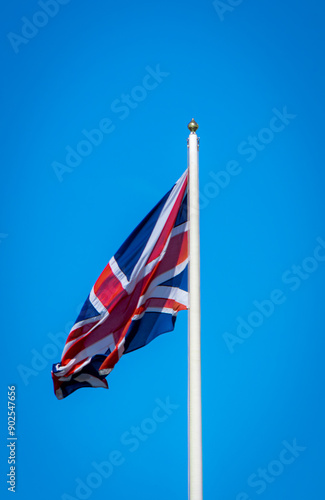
[[135, 299]]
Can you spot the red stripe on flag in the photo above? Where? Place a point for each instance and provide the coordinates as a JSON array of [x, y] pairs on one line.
[[108, 288], [78, 332], [160, 302], [169, 225], [175, 255]]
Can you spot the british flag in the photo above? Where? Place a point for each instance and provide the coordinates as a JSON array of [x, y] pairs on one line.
[[135, 299]]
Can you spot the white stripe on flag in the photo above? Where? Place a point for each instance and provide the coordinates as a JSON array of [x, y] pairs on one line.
[[160, 224], [97, 303], [99, 347], [161, 279], [118, 273], [182, 228], [166, 310]]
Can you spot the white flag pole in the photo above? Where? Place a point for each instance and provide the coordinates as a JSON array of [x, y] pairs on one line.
[[194, 324]]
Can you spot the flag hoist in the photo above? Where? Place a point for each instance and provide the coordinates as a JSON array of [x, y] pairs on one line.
[[194, 323]]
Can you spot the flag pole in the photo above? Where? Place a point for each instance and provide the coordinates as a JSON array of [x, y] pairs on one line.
[[194, 324]]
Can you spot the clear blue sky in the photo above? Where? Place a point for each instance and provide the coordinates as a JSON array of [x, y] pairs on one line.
[[251, 74]]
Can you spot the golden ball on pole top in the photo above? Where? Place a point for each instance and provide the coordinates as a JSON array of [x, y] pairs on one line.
[[193, 126]]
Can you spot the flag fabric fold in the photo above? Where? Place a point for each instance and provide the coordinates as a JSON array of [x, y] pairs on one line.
[[135, 299]]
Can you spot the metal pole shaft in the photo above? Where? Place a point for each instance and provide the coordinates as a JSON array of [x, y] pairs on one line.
[[194, 326]]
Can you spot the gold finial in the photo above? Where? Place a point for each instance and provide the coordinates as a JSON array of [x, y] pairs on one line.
[[193, 126]]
